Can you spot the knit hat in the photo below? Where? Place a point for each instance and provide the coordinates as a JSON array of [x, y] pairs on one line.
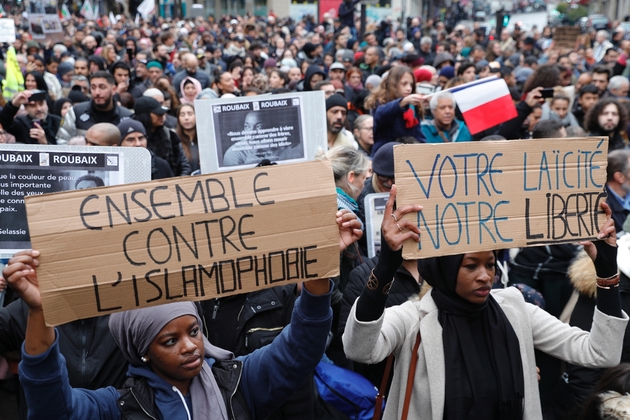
[[383, 160], [270, 62], [336, 100], [154, 63], [289, 62], [64, 68], [374, 80], [448, 72], [422, 75], [76, 96], [129, 126]]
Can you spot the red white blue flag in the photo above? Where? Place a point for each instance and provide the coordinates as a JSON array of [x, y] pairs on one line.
[[484, 103]]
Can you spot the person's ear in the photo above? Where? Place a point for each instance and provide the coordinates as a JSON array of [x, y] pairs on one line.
[[351, 175], [619, 177]]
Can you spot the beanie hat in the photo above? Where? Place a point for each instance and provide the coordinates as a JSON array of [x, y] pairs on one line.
[[64, 68], [336, 100], [129, 126], [383, 160], [270, 62], [154, 63], [447, 71], [422, 75]]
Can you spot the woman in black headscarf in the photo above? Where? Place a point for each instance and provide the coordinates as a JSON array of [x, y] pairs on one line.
[[476, 353]]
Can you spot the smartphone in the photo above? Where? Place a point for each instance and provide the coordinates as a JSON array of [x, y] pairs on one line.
[[547, 92], [38, 95], [33, 123]]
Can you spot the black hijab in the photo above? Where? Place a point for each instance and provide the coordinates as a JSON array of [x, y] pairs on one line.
[[484, 370]]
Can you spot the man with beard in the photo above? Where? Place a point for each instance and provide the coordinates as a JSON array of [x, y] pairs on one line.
[[336, 111], [607, 118], [618, 186], [102, 108], [37, 126]]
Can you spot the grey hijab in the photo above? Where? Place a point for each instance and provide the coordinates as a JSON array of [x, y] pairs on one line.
[[135, 330]]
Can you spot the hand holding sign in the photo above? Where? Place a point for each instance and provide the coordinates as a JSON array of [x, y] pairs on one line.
[[396, 230], [604, 251], [349, 228], [21, 275]]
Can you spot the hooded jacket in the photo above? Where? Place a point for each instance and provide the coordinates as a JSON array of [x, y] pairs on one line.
[[268, 375], [310, 72]]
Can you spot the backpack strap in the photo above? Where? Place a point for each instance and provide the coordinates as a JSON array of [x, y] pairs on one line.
[[378, 408], [411, 377]]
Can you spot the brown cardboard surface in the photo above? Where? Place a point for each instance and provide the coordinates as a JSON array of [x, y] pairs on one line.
[[501, 194], [191, 238], [566, 36]]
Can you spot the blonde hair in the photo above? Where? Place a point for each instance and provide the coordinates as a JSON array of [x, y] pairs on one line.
[[345, 159]]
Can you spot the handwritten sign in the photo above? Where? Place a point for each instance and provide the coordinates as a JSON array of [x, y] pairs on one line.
[[566, 36], [124, 247], [501, 194]]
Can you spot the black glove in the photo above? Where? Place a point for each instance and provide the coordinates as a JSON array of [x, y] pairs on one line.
[[388, 262], [606, 260]]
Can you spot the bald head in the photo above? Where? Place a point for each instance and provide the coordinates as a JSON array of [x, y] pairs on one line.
[[103, 134], [190, 62]]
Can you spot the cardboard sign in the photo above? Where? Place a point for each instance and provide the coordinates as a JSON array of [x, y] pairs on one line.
[[503, 194], [566, 36], [191, 238], [240, 132]]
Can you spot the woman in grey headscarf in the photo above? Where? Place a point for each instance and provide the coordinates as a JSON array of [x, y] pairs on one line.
[[174, 372]]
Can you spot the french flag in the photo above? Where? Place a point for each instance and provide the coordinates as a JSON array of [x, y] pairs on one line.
[[484, 103]]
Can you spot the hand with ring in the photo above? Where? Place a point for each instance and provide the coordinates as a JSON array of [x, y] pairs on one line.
[[395, 229]]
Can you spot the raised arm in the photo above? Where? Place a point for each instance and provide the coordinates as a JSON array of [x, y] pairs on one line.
[[21, 275]]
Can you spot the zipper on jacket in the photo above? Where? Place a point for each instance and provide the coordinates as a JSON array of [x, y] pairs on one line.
[[253, 330], [83, 350], [140, 404], [215, 309], [238, 382]]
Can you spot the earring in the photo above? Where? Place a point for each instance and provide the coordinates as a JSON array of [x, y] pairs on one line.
[[144, 359]]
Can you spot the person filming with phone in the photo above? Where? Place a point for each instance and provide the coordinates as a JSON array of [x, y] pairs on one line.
[[37, 126]]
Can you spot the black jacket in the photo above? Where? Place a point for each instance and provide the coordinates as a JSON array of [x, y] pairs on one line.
[[246, 322], [167, 145], [403, 288], [92, 357], [513, 129], [614, 142], [20, 126], [137, 400], [160, 169], [82, 116]]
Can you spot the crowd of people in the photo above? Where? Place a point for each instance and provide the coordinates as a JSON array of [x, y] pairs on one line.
[[537, 349]]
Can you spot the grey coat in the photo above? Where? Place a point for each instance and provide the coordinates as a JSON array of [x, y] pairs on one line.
[[395, 331]]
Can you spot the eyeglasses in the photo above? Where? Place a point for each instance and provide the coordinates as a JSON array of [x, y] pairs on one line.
[[385, 181], [3, 133]]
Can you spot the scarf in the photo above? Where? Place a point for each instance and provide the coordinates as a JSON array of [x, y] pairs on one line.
[[185, 99], [484, 370], [344, 201], [135, 330], [357, 86]]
